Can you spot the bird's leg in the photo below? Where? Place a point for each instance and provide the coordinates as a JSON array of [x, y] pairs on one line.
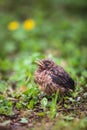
[[61, 100]]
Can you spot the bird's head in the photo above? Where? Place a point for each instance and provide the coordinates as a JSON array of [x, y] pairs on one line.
[[45, 64]]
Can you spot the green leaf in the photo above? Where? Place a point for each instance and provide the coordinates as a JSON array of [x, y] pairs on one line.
[[44, 103], [24, 120]]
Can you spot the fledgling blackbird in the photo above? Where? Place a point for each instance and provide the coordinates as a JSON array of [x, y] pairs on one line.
[[51, 77]]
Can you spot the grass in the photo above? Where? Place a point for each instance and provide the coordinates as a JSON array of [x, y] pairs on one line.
[[21, 102], [21, 99]]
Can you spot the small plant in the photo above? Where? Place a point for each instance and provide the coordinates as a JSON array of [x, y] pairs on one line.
[[53, 105], [44, 103]]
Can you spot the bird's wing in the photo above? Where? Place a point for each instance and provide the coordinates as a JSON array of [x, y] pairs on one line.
[[61, 77]]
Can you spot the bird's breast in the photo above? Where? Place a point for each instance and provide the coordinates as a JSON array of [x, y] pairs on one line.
[[42, 77]]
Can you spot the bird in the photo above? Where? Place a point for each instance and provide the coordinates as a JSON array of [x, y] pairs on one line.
[[51, 77]]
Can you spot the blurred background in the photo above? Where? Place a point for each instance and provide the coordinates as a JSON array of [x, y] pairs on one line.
[[33, 29]]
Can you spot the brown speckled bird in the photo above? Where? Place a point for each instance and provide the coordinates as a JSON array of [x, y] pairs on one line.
[[51, 77]]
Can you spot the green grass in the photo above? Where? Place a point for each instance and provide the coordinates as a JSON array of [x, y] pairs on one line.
[[63, 39]]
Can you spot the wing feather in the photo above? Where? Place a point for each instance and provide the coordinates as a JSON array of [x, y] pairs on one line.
[[62, 78]]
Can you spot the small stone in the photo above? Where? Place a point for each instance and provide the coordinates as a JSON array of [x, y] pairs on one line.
[[78, 98]]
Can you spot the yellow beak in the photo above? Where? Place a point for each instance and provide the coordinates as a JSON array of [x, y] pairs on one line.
[[40, 63]]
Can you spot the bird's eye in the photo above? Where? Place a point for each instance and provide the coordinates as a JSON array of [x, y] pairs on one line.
[[47, 64]]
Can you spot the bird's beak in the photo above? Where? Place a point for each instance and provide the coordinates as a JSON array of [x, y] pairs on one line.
[[40, 63]]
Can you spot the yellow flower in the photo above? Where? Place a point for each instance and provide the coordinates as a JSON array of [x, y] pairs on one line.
[[29, 24], [13, 25]]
